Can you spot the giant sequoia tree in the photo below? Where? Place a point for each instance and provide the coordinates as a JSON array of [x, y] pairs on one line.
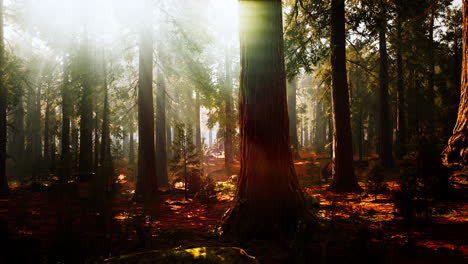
[[457, 149], [268, 200], [343, 172], [147, 186]]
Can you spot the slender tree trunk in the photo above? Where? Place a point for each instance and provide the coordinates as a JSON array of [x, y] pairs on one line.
[[3, 114], [47, 136], [385, 128], [431, 73], [268, 202], [229, 128], [85, 167], [401, 117], [66, 114], [292, 90], [161, 154], [344, 179], [18, 141], [457, 149], [321, 128], [97, 145], [198, 138], [107, 168], [36, 136], [131, 153], [168, 140], [147, 185]]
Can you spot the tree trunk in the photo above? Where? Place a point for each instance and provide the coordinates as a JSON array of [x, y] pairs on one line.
[[385, 128], [292, 89], [431, 74], [85, 167], [457, 149], [97, 147], [131, 151], [107, 168], [161, 154], [268, 202], [17, 146], [401, 118], [344, 179], [3, 113], [36, 135], [147, 185], [198, 138], [229, 128], [47, 136], [67, 109]]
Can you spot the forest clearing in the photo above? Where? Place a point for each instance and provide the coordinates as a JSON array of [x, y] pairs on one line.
[[234, 131]]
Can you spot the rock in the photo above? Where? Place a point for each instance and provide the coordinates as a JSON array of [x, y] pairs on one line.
[[204, 255]]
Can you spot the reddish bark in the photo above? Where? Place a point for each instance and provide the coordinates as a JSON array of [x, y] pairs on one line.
[[457, 149], [343, 172], [268, 202]]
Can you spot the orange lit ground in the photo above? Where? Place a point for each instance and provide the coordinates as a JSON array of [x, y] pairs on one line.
[[36, 217]]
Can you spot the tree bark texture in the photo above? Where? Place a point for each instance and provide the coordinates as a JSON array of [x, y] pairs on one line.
[[147, 186], [457, 149], [268, 201], [344, 179]]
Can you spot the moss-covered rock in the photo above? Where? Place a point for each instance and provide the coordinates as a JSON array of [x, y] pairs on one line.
[[202, 255]]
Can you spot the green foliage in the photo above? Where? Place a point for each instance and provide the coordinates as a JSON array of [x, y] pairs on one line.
[[185, 164], [207, 193]]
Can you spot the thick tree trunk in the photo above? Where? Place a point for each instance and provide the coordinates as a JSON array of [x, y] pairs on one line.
[[67, 109], [401, 117], [229, 128], [147, 185], [85, 167], [161, 154], [385, 128], [292, 90], [457, 149], [3, 114], [268, 202], [344, 179]]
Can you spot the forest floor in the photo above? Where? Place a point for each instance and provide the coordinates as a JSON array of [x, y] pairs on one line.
[[48, 225]]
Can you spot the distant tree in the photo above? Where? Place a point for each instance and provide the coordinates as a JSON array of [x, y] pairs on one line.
[[107, 167], [67, 110], [344, 179], [292, 91], [385, 125], [457, 149], [185, 162], [161, 150], [85, 166], [229, 126], [268, 201]]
